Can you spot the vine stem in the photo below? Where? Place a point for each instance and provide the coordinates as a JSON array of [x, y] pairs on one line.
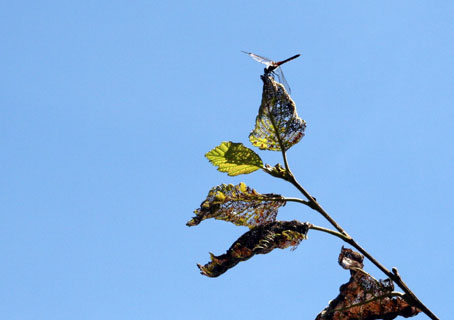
[[394, 275]]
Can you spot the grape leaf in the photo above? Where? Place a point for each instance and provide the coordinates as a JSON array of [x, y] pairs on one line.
[[277, 122], [238, 204], [259, 240], [234, 158]]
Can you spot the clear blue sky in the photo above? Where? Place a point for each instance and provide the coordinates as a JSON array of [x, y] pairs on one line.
[[106, 111]]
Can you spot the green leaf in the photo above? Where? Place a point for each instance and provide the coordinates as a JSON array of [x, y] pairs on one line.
[[277, 122], [238, 204], [259, 240], [234, 158]]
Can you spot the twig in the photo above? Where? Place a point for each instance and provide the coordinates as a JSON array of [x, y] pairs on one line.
[[410, 296]]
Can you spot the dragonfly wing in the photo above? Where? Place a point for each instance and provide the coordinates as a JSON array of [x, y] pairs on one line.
[[260, 59], [280, 75]]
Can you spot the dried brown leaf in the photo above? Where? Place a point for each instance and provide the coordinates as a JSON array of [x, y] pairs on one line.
[[259, 240], [363, 297]]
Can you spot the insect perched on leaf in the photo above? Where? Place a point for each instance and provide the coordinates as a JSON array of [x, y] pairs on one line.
[[273, 66]]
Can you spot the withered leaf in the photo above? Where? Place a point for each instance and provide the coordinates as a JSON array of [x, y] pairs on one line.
[[363, 297], [277, 119], [349, 259], [259, 240], [238, 204]]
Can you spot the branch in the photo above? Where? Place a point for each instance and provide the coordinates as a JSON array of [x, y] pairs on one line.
[[332, 232], [411, 297], [315, 205]]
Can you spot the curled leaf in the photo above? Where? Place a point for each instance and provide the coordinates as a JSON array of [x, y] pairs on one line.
[[234, 158], [238, 204], [277, 171], [259, 240], [364, 297], [277, 123], [349, 259]]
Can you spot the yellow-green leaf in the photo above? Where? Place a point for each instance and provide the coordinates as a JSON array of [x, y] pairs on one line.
[[238, 204], [234, 158], [277, 124]]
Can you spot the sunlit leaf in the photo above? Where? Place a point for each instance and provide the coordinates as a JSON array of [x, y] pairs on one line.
[[238, 204], [234, 158], [277, 122], [259, 240], [363, 297]]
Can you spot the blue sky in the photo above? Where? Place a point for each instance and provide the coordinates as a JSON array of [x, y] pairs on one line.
[[106, 111]]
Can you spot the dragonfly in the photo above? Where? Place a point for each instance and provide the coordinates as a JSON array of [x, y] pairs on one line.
[[273, 66]]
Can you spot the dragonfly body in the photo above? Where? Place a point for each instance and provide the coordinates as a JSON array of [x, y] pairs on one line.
[[272, 66]]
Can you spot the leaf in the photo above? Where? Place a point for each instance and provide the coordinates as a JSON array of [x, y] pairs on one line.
[[238, 204], [277, 171], [234, 158], [277, 122], [259, 240], [363, 297], [349, 259]]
